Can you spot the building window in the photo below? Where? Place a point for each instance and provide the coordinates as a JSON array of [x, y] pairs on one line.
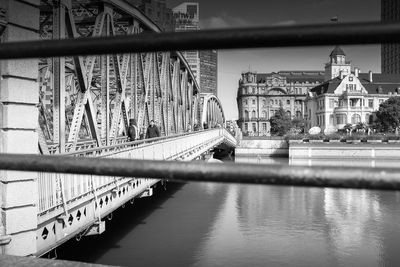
[[263, 114], [371, 119], [351, 87], [331, 119], [288, 102], [254, 90], [246, 127], [298, 114], [246, 114], [331, 103], [254, 127], [370, 103], [264, 102], [289, 113], [253, 114], [381, 101], [356, 118], [264, 126], [341, 119], [253, 102]]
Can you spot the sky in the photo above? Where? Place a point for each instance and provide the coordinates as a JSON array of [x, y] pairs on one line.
[[216, 14]]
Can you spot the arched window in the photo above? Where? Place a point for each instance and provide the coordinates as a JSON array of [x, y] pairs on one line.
[[371, 119], [263, 114], [246, 114], [298, 114], [264, 102], [253, 114], [356, 118], [341, 119], [289, 113]]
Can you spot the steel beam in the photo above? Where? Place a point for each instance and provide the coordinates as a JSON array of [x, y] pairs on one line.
[[59, 80]]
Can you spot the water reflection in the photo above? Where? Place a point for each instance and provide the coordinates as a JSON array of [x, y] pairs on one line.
[[205, 224], [274, 225]]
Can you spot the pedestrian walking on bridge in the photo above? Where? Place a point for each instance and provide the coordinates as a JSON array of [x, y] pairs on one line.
[[152, 130]]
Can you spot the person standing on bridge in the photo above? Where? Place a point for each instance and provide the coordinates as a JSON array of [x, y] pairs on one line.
[[152, 130], [133, 131]]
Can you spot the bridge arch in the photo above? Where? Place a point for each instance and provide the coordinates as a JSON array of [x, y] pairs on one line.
[[212, 112]]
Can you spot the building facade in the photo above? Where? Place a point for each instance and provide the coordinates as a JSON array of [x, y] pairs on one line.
[[349, 97], [390, 53], [259, 96], [186, 17], [158, 12], [203, 63], [209, 71]]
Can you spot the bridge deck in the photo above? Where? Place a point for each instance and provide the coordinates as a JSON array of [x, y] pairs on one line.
[[73, 205]]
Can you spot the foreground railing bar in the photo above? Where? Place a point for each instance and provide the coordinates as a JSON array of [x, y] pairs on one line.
[[368, 178], [278, 36]]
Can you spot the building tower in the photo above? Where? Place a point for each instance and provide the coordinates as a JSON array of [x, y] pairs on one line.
[[390, 53], [337, 64], [202, 63]]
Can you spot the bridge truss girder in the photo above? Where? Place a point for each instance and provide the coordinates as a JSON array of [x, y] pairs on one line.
[[87, 101]]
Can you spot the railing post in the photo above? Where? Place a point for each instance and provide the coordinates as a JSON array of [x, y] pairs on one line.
[[19, 94]]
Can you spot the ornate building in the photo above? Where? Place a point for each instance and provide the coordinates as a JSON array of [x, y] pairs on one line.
[[260, 95], [348, 97]]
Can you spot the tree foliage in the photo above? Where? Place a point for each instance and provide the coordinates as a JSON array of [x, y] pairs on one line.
[[298, 125], [388, 115], [280, 122]]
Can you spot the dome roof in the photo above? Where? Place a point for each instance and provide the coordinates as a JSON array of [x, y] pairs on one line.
[[337, 51]]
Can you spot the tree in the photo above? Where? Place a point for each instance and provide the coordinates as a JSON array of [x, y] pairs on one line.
[[280, 122], [388, 115], [297, 125]]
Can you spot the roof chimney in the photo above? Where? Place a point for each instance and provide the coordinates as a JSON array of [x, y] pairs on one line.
[[370, 76], [356, 71]]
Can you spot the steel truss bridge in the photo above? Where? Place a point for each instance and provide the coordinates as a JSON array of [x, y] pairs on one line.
[[84, 108]]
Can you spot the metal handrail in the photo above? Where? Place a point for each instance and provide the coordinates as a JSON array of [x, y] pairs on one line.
[[132, 143], [277, 36], [344, 177]]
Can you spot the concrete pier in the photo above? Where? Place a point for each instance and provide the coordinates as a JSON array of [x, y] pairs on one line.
[[19, 95]]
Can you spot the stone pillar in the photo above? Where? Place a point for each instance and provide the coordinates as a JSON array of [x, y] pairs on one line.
[[19, 93]]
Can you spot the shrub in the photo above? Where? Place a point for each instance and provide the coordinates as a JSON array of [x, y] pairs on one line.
[[374, 137], [334, 136], [294, 137], [392, 137], [355, 136], [319, 136]]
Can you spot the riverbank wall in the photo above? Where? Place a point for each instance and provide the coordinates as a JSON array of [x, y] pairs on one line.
[[259, 146], [357, 154]]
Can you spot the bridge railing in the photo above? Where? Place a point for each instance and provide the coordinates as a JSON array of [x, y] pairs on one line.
[[55, 190]]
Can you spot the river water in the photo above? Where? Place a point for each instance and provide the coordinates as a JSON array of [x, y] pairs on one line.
[[206, 224]]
